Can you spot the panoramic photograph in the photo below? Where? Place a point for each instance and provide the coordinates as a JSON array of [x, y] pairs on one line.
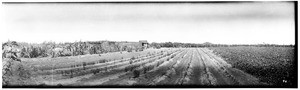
[[149, 44]]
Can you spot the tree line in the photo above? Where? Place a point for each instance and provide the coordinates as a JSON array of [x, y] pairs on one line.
[[208, 44], [52, 49]]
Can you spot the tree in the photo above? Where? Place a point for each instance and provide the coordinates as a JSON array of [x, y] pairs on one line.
[[34, 53], [10, 59]]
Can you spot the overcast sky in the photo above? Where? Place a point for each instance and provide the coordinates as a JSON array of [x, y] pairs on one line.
[[224, 23]]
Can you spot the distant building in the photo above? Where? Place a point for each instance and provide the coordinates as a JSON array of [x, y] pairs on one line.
[[144, 43]]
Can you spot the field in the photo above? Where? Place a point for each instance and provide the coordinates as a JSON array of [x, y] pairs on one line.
[[165, 66], [272, 65]]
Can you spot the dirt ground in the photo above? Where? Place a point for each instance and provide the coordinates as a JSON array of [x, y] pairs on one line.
[[188, 66]]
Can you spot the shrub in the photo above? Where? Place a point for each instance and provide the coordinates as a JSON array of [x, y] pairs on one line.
[[59, 85], [173, 56], [84, 64], [94, 71], [126, 69], [157, 64], [145, 69], [130, 62], [129, 50], [136, 73], [102, 61], [34, 53], [132, 58]]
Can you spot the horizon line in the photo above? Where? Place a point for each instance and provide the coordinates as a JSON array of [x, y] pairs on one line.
[[263, 43]]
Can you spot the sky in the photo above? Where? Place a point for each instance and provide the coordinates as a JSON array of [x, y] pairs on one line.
[[219, 23]]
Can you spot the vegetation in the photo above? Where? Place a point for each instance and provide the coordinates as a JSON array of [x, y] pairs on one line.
[[136, 73], [51, 49], [14, 72], [207, 44], [273, 65]]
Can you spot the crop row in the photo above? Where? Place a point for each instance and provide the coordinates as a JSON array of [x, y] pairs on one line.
[[167, 70], [146, 67], [103, 68], [91, 63], [125, 61], [118, 68]]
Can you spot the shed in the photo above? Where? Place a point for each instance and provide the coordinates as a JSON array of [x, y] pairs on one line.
[[144, 43]]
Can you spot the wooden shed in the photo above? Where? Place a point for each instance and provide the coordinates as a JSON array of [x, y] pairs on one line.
[[144, 43]]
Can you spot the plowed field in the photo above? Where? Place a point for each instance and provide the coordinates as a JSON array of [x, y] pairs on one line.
[[168, 66]]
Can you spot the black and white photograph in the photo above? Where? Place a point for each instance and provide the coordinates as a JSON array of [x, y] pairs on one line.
[[150, 44]]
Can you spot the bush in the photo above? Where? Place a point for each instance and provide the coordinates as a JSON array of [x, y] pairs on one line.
[[132, 58], [34, 53], [129, 50], [84, 64], [130, 62], [136, 74], [145, 69], [94, 71], [173, 56], [126, 69]]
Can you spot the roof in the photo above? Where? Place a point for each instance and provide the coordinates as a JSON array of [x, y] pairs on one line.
[[143, 41]]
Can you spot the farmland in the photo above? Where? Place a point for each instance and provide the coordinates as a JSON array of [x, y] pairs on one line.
[[272, 65], [165, 66], [197, 66]]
